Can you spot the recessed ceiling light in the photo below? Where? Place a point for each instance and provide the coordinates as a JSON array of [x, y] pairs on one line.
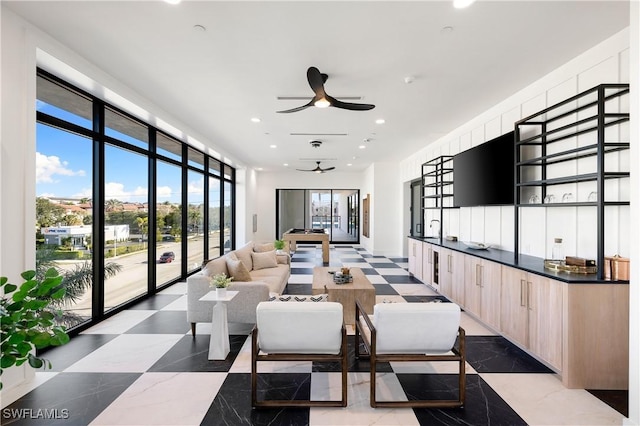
[[380, 121], [259, 168], [172, 1], [255, 120], [286, 164], [362, 147], [273, 146], [461, 4], [349, 164]]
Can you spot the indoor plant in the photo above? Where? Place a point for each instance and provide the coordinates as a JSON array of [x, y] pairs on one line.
[[279, 245], [26, 323], [221, 282]]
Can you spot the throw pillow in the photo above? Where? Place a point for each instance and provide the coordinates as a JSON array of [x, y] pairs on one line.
[[216, 266], [238, 270], [261, 248], [298, 298], [244, 254], [264, 260]]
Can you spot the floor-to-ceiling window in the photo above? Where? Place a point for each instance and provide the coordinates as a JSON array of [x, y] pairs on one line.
[[122, 208]]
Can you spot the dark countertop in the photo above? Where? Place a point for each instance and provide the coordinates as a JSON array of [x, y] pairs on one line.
[[526, 263]]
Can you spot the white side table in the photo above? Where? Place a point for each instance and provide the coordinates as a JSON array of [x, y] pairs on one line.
[[219, 345]]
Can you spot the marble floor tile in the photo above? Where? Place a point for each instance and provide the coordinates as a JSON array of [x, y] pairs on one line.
[[391, 271], [127, 353], [73, 398], [359, 412], [164, 399], [120, 322], [177, 288], [77, 349], [177, 305], [473, 328], [541, 399], [495, 354], [436, 367], [162, 322], [301, 279], [376, 279], [10, 395], [413, 289]]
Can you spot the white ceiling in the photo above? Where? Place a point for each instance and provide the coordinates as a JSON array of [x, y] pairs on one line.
[[216, 80]]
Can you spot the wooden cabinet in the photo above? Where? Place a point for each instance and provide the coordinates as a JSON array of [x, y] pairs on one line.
[[415, 258], [531, 313], [451, 275], [428, 256], [482, 289]]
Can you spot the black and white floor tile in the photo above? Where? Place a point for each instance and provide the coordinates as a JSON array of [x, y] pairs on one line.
[[142, 367]]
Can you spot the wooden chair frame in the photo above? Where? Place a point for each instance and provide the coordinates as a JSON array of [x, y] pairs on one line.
[[256, 356], [370, 347]]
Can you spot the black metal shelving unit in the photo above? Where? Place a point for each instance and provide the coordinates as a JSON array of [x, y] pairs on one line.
[[437, 176], [595, 111]]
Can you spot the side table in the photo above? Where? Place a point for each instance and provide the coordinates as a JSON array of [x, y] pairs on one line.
[[219, 344]]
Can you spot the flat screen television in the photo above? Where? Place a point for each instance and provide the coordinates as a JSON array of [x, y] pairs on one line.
[[484, 175]]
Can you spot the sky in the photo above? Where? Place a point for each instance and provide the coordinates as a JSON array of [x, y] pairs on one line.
[[64, 167]]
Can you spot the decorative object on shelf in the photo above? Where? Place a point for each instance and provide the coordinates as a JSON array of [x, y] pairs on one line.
[[579, 261], [616, 268], [567, 197], [451, 238], [550, 198], [593, 197], [27, 322], [556, 251], [221, 282], [534, 199], [561, 266], [476, 246]]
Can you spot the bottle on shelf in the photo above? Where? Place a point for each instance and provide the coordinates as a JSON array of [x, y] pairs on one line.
[[556, 251]]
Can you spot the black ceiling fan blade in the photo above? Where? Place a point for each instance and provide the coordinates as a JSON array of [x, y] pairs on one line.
[[327, 169], [349, 105], [300, 108], [316, 80]]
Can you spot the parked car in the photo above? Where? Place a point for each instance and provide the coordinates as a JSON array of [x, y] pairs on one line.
[[167, 257]]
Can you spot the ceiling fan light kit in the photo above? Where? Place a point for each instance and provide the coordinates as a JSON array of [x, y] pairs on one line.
[[321, 100]]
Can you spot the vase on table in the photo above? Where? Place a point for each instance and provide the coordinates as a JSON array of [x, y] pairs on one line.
[[221, 292]]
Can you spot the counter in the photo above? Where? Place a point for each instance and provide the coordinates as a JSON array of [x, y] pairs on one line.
[[526, 263]]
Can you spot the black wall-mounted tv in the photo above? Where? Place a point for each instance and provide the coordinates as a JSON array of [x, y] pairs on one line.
[[484, 175]]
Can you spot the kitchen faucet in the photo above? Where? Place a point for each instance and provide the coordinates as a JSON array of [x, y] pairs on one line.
[[437, 229]]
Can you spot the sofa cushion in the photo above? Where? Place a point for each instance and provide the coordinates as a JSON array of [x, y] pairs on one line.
[[261, 248], [244, 254], [276, 278], [216, 266], [237, 269], [264, 260]]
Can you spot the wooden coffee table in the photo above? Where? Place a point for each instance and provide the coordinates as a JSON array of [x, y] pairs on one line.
[[360, 289]]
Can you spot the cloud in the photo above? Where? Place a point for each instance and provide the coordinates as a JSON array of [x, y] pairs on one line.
[[49, 166], [164, 192], [196, 186], [117, 191]]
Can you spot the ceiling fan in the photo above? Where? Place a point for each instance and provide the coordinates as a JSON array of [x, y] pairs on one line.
[[321, 99], [318, 169]]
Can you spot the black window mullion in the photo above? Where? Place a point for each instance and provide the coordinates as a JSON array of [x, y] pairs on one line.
[[151, 215], [185, 210], [98, 240]]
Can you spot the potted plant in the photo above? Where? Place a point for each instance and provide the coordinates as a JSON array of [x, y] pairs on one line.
[[279, 245], [26, 322], [221, 282]]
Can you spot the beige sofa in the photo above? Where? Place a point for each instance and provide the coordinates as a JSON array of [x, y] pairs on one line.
[[258, 274]]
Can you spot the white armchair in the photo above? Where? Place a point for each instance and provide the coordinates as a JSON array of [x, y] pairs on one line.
[[295, 331], [412, 332]]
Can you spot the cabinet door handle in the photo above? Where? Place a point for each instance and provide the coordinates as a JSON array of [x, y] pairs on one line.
[[523, 293], [449, 258], [529, 295], [478, 274]]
